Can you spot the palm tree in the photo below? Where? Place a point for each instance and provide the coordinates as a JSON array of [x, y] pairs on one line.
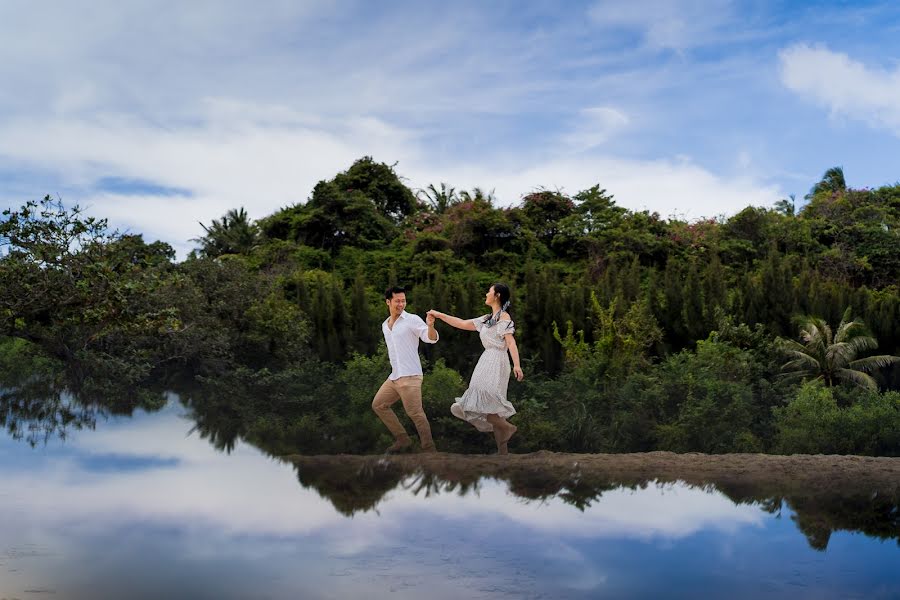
[[787, 207], [439, 200], [477, 195], [833, 358], [232, 234], [832, 181]]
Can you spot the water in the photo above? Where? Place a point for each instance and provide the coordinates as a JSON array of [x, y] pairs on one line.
[[142, 507]]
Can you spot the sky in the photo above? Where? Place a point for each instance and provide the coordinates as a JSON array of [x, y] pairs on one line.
[[160, 115]]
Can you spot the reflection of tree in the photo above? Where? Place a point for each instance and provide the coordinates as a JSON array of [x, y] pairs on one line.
[[358, 483], [351, 487], [46, 404], [819, 516], [280, 413], [38, 411], [826, 494], [819, 513], [430, 484]]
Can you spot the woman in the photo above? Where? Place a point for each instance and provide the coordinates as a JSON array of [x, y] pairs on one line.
[[484, 404]]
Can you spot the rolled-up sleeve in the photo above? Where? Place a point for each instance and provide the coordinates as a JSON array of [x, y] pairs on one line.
[[421, 328]]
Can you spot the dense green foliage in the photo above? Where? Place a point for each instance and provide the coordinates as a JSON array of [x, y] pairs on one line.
[[637, 333]]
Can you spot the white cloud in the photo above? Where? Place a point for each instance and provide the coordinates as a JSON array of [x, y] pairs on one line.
[[264, 157], [595, 126], [259, 157], [665, 24], [671, 187], [845, 86], [231, 106]]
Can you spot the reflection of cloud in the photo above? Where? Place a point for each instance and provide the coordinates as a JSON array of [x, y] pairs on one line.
[[245, 492], [657, 511], [191, 505]]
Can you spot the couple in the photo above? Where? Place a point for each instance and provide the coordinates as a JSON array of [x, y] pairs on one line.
[[484, 404]]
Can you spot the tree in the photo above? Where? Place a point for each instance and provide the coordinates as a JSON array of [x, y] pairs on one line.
[[81, 292], [544, 211], [833, 357], [439, 200], [381, 185], [597, 209], [477, 195], [786, 206], [234, 233], [476, 227], [360, 207], [333, 218], [832, 182]]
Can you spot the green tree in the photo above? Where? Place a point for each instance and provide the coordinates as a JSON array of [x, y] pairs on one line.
[[381, 185], [787, 206], [234, 233], [544, 210], [439, 200], [833, 357], [83, 293], [832, 182]]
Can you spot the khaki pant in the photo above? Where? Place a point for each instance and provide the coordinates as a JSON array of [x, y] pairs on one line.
[[409, 390]]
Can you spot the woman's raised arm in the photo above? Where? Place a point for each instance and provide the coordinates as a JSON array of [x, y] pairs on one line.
[[466, 324]]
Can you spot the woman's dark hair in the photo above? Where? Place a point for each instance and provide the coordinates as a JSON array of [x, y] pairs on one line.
[[503, 291], [389, 293]]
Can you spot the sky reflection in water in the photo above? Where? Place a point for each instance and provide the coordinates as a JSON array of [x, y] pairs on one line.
[[140, 508]]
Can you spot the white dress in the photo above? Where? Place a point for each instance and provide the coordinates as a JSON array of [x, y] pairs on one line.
[[487, 389]]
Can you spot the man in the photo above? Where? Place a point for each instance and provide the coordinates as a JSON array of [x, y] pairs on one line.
[[402, 332]]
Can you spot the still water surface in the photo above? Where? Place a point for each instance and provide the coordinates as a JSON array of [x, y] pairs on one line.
[[143, 508]]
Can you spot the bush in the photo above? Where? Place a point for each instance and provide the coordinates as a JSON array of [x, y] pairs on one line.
[[813, 423]]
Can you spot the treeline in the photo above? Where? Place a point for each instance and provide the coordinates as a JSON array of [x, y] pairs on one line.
[[637, 332]]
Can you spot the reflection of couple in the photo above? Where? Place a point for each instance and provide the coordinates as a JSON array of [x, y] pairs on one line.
[[484, 404]]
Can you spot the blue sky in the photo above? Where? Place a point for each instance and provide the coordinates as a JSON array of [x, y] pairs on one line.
[[162, 114]]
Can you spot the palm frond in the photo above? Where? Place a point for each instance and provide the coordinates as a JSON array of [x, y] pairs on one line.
[[801, 360], [857, 377], [870, 363], [840, 354], [796, 375], [845, 318], [863, 343], [849, 329], [786, 345], [815, 331]]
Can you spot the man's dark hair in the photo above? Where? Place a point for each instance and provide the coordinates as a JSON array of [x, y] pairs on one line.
[[389, 293]]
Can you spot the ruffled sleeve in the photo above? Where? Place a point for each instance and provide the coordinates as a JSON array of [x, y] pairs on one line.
[[479, 322], [506, 327]]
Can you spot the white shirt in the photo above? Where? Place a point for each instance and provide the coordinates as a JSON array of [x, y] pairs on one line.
[[403, 344]]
